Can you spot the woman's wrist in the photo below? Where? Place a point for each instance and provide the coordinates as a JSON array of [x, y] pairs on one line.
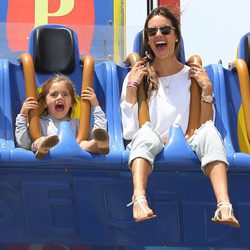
[[133, 84], [207, 90], [207, 94]]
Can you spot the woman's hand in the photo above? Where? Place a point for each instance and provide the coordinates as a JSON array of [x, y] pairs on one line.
[[89, 94], [137, 72], [136, 75], [28, 105], [200, 75]]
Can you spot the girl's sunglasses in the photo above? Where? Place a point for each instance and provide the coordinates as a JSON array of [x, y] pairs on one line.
[[165, 30]]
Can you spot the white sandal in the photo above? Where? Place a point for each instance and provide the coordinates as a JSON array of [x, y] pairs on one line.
[[139, 201], [230, 220]]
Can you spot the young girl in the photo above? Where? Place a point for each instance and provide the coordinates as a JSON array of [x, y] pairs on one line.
[[57, 98]]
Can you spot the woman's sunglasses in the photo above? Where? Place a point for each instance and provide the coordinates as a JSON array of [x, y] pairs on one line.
[[165, 30]]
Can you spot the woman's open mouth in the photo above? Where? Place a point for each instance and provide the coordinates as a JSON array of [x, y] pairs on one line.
[[161, 45]]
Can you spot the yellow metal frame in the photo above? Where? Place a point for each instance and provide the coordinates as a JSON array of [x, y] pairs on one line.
[[119, 30], [243, 123]]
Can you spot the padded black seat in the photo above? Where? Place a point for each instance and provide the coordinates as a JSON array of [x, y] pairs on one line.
[[54, 50]]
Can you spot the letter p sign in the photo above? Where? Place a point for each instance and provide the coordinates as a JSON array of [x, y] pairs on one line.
[[42, 13]]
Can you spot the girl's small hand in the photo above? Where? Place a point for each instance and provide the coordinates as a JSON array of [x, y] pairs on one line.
[[29, 104], [200, 75], [137, 72], [89, 94]]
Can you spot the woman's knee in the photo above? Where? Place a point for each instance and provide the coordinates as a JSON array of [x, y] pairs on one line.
[[148, 139], [210, 132]]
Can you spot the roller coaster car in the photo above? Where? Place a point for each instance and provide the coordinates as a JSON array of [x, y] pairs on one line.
[[73, 197], [52, 199], [177, 172]]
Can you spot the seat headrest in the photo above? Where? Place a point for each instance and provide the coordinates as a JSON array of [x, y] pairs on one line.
[[247, 51], [54, 50]]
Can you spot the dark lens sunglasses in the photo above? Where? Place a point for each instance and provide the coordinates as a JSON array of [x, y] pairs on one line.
[[165, 30]]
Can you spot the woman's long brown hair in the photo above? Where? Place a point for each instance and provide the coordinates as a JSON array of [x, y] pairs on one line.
[[152, 78]]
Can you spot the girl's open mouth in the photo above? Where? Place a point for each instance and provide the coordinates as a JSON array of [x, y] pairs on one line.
[[59, 107]]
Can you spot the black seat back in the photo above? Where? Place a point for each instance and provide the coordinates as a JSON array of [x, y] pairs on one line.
[[54, 50]]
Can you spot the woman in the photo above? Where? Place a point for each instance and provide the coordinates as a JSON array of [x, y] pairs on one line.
[[168, 83]]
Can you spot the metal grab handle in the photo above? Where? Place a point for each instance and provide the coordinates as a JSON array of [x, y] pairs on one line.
[[31, 91], [87, 81], [143, 113], [195, 106]]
